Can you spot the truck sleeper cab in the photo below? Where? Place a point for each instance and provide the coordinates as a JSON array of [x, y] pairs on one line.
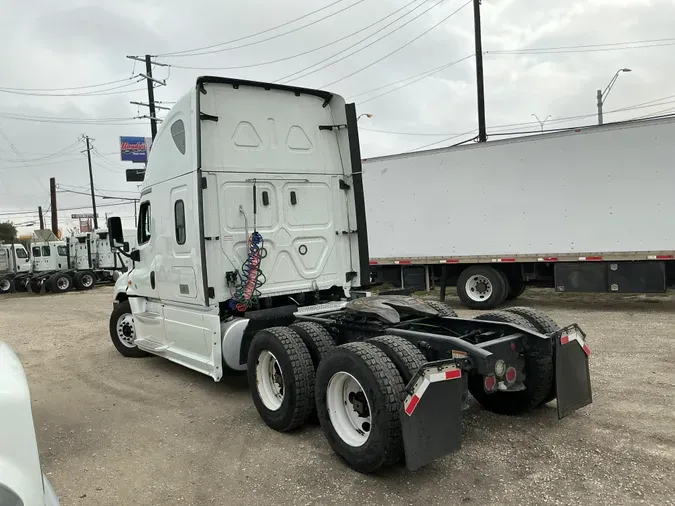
[[251, 240]]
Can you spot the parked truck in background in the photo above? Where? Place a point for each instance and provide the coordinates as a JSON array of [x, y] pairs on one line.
[[15, 266], [252, 247], [582, 210], [80, 261]]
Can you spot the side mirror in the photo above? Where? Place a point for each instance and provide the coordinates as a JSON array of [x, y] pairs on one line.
[[135, 255], [115, 230]]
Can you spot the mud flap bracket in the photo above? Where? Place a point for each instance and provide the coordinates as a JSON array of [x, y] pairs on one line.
[[431, 415]]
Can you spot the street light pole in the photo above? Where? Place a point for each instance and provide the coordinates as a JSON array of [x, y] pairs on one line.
[[602, 95], [541, 123]]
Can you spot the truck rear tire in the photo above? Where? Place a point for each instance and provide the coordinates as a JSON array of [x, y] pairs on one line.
[[84, 280], [358, 396], [481, 287], [406, 356], [539, 376], [442, 308], [544, 325], [122, 331], [6, 284], [317, 339], [281, 377], [60, 283]]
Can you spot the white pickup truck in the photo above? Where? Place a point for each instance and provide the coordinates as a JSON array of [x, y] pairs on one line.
[[21, 480]]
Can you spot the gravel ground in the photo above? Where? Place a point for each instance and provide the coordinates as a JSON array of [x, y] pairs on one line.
[[113, 430]]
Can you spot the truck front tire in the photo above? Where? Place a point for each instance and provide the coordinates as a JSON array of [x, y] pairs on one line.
[[481, 287], [358, 396], [281, 378], [6, 284], [122, 331]]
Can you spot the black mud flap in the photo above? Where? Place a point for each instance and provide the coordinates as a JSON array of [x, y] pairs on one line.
[[431, 415], [572, 378]]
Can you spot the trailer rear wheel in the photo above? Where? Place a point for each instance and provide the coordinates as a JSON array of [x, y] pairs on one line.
[[539, 375], [481, 287], [60, 283], [84, 280], [516, 288], [442, 308], [358, 396], [281, 377], [5, 284], [122, 331], [406, 356]]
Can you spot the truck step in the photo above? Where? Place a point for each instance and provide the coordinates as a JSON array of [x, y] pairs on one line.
[[321, 308], [148, 315], [150, 345]]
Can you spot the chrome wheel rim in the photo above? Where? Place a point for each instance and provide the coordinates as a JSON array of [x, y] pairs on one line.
[[125, 330], [478, 288]]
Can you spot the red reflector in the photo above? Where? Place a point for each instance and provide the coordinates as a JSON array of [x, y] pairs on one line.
[[507, 259], [593, 259], [511, 374], [664, 257], [451, 261], [564, 339], [413, 404], [489, 383], [587, 350], [453, 374], [550, 259], [404, 262], [513, 346], [373, 262]]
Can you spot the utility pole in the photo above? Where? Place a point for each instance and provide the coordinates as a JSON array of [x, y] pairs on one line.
[[151, 96], [55, 217], [91, 183], [599, 107], [42, 219], [151, 91], [482, 131]]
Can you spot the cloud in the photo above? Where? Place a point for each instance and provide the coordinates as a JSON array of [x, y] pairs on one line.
[[80, 42]]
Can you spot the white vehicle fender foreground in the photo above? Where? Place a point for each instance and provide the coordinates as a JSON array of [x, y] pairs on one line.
[[121, 284], [21, 480]]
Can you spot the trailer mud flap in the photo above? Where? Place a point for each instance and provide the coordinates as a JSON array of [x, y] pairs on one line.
[[431, 415], [573, 378]]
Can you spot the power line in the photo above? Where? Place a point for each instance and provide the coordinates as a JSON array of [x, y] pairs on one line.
[[69, 88], [399, 48], [309, 51], [96, 93], [8, 213], [182, 53], [613, 46], [68, 150], [74, 121], [421, 134], [418, 79], [18, 154], [305, 74]]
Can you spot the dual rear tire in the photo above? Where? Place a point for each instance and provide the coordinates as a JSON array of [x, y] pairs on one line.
[[355, 390]]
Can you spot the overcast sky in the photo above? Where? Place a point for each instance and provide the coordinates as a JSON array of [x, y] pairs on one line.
[[77, 43]]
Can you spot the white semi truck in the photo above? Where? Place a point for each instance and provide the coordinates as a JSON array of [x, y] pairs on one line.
[[15, 265], [582, 210], [252, 243], [80, 261]]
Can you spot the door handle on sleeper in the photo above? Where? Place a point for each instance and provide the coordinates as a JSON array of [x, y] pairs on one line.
[[152, 279]]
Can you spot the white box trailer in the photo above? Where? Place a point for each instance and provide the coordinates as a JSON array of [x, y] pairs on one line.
[[582, 210]]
